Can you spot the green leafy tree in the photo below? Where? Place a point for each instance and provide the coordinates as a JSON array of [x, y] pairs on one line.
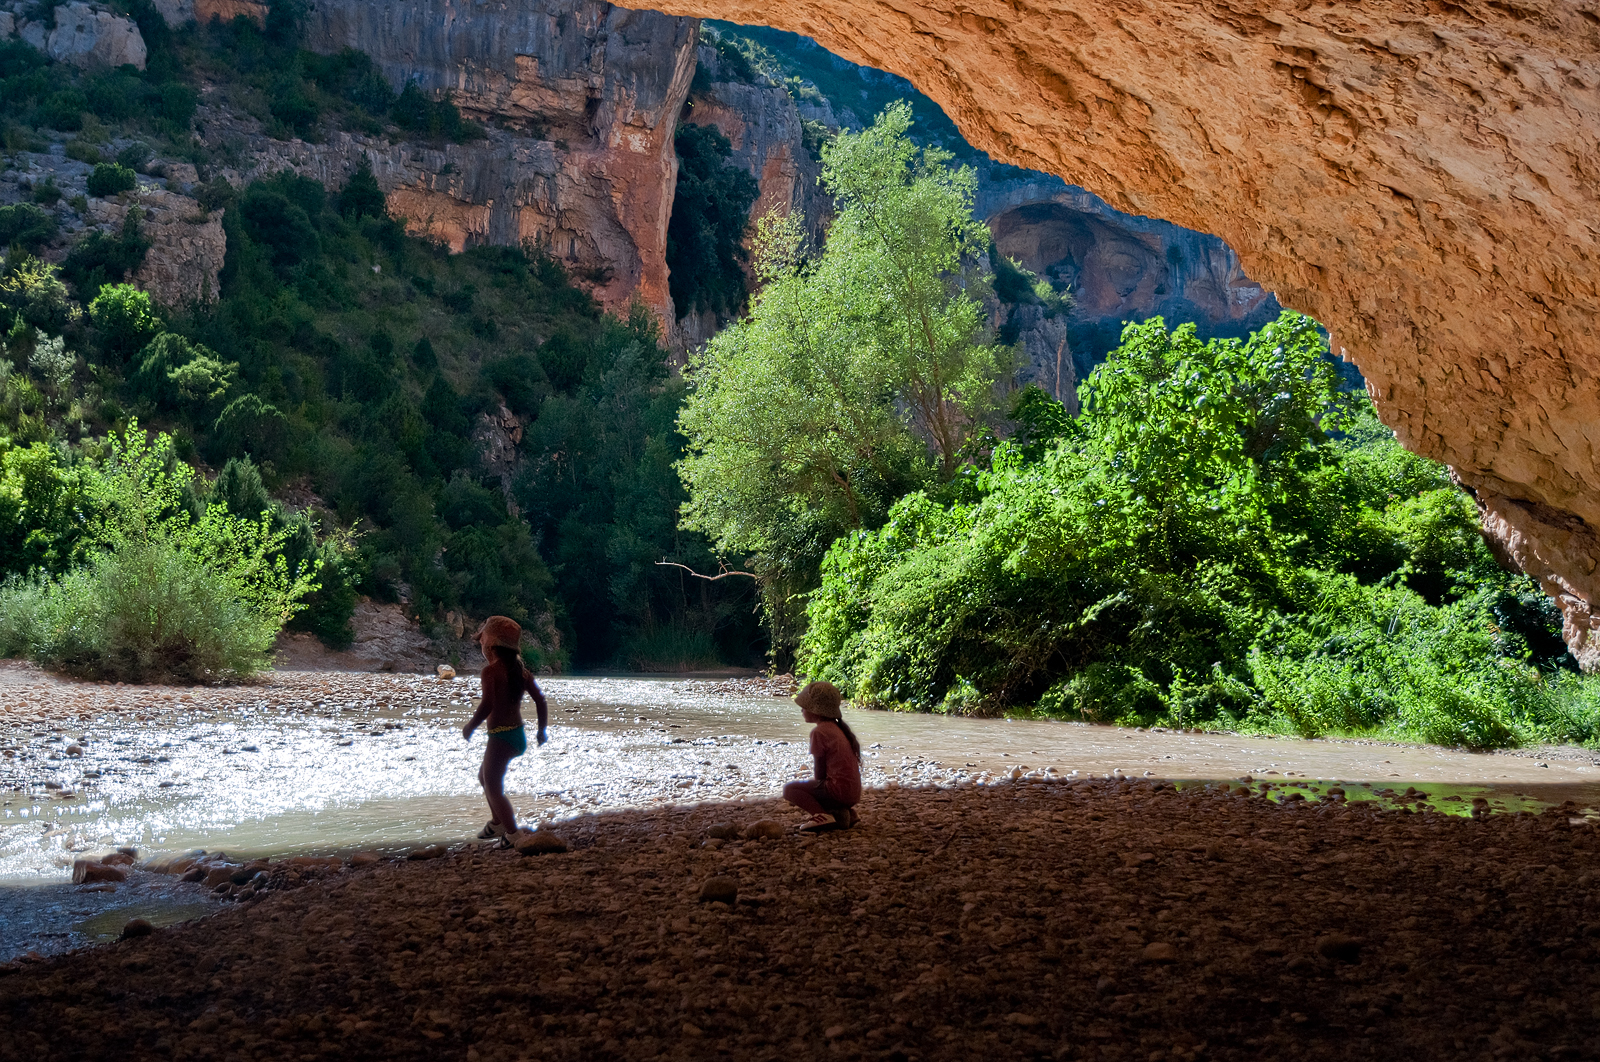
[[26, 226], [857, 378], [361, 196]]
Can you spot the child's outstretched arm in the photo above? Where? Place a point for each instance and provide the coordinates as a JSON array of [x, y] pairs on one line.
[[539, 702]]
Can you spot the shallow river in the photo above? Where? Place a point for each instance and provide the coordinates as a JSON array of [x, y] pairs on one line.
[[377, 763]]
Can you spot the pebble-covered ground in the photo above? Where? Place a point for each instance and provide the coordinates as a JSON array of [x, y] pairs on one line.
[[1049, 919]]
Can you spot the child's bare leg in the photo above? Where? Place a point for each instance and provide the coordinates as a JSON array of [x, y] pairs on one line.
[[492, 776], [800, 794]]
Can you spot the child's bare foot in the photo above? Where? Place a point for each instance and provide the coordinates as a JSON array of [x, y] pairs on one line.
[[819, 823]]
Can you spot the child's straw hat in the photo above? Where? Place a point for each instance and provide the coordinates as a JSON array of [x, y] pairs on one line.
[[502, 630], [820, 698]]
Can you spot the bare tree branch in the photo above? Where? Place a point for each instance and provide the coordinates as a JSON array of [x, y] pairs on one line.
[[709, 578]]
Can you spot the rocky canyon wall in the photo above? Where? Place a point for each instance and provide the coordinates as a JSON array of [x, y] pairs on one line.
[[1418, 175], [583, 98], [763, 128], [1119, 267]]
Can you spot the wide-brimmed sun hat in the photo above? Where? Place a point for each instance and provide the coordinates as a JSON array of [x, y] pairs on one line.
[[502, 630], [820, 698]]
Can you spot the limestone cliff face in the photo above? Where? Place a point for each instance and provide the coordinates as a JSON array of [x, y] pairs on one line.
[[1119, 267], [584, 98], [84, 35], [762, 125], [1419, 176]]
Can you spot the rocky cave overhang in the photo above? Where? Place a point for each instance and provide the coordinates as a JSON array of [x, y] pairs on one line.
[[1419, 175]]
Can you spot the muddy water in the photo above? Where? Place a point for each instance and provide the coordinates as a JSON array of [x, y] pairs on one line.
[[340, 763]]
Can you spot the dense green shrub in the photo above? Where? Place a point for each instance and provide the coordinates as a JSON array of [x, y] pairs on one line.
[[26, 226], [149, 612], [1202, 546], [100, 258], [125, 318], [112, 178], [417, 113], [165, 593]]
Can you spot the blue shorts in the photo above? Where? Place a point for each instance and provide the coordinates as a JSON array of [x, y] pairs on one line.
[[514, 736]]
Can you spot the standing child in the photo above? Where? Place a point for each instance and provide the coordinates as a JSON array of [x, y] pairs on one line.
[[504, 681], [832, 795]]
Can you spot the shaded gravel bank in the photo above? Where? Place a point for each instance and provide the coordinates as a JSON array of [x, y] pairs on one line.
[[1048, 920]]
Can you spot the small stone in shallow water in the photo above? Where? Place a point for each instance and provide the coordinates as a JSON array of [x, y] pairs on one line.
[[432, 851], [137, 927], [445, 671], [1160, 951], [88, 871]]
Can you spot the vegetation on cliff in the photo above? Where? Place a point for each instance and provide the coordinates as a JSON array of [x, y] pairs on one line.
[[710, 217], [463, 433]]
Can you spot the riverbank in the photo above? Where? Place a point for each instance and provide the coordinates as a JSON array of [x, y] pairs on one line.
[[1101, 919]]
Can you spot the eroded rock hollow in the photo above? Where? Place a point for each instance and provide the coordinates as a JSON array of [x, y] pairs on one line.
[[1420, 176]]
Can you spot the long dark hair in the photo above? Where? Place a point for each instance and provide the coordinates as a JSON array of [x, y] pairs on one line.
[[850, 736], [514, 665]]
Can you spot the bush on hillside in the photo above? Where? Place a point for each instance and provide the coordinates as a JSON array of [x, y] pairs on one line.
[[111, 178], [25, 225], [710, 215], [166, 593]]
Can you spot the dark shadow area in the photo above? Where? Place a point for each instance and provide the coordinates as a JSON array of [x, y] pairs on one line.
[[1090, 920]]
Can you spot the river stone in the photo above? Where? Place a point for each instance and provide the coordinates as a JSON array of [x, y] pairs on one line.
[[445, 671], [137, 927], [764, 829], [1160, 951], [87, 871], [432, 851], [1340, 948], [541, 842], [721, 831], [719, 889]]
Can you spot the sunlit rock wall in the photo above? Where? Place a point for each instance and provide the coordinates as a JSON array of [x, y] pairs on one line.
[[582, 99]]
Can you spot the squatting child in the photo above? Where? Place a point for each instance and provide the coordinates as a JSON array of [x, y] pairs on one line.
[[832, 795], [504, 681]]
